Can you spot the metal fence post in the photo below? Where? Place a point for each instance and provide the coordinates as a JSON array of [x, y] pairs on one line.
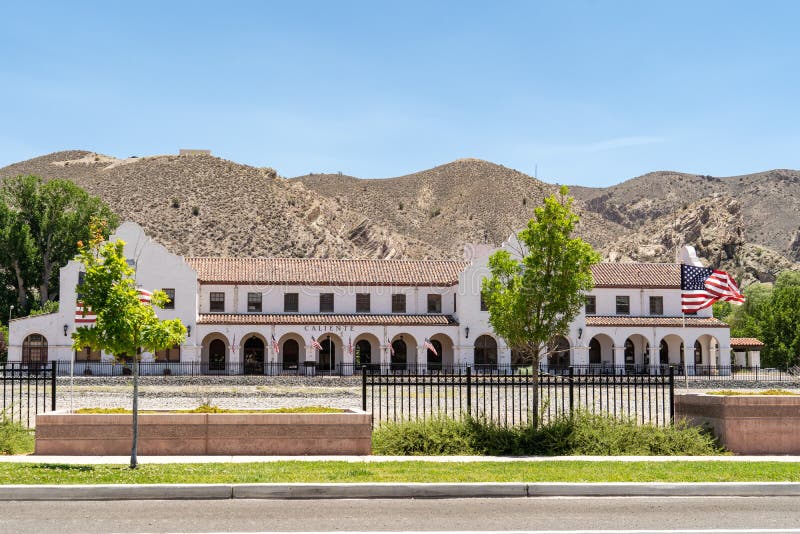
[[469, 390], [571, 390], [364, 388], [671, 394], [53, 387]]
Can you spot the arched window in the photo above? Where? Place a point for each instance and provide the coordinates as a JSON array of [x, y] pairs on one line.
[[216, 355], [34, 350], [363, 353], [291, 354], [253, 356], [399, 355], [595, 352], [327, 355], [435, 358], [485, 352], [698, 353], [663, 353], [559, 353], [630, 353]]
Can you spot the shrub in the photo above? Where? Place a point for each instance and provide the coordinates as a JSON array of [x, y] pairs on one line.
[[195, 210], [14, 437], [584, 433], [400, 206], [176, 203]]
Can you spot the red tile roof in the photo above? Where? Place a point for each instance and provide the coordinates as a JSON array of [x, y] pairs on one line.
[[645, 275], [746, 343], [325, 319], [614, 320], [309, 271]]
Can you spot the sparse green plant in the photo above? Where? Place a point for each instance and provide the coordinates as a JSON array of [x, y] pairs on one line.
[[400, 206], [14, 437], [435, 213], [195, 211], [176, 203]]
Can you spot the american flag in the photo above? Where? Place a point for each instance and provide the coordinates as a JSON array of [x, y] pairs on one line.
[[350, 345], [84, 314], [428, 345], [275, 346], [703, 286], [391, 348], [315, 343]]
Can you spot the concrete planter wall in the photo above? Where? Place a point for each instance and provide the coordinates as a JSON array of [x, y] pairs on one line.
[[205, 434], [746, 424]]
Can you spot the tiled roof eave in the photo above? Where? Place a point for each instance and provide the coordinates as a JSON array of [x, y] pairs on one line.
[[653, 321], [437, 320], [325, 283], [635, 286]]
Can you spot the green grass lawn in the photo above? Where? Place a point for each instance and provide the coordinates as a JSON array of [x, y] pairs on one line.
[[557, 471]]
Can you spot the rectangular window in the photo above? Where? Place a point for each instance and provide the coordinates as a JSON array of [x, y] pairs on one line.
[[81, 278], [591, 305], [623, 305], [87, 355], [399, 303], [484, 307], [362, 302], [656, 305], [170, 305], [169, 355], [254, 302], [216, 301], [290, 303], [434, 303], [326, 302]]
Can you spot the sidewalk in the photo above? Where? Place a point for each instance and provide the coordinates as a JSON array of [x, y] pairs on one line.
[[96, 460]]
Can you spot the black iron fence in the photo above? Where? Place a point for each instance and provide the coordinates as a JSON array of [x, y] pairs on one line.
[[508, 399], [28, 389]]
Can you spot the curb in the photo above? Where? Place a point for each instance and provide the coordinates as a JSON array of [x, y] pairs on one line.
[[102, 492]]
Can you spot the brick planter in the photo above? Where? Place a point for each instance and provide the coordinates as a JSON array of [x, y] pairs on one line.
[[205, 434], [746, 424]]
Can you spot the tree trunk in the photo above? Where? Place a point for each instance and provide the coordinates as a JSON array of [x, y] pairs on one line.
[[134, 445], [44, 287], [22, 295], [535, 407]]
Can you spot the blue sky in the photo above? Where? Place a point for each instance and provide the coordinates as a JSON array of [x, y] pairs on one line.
[[590, 92]]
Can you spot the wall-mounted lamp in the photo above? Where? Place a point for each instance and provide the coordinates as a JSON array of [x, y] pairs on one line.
[[66, 327], [466, 331], [580, 333], [189, 330]]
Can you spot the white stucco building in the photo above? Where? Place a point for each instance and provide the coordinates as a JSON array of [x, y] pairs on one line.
[[378, 312]]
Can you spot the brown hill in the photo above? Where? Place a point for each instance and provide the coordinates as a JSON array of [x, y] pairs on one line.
[[749, 224], [466, 201], [241, 210]]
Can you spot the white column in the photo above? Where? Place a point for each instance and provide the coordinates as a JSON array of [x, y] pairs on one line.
[[504, 358], [688, 358], [348, 358], [619, 358], [724, 360], [580, 358], [385, 359], [311, 357], [755, 358], [422, 359]]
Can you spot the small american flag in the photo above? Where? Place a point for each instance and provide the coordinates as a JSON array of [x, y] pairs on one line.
[[391, 348], [84, 314], [315, 343], [703, 286], [350, 345], [275, 346], [428, 345]]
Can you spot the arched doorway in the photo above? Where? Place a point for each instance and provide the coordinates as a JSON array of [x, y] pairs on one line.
[[217, 355], [253, 356], [327, 355], [558, 359], [435, 355], [663, 353], [362, 354], [399, 355], [595, 352], [485, 352], [34, 351], [291, 354], [630, 356]]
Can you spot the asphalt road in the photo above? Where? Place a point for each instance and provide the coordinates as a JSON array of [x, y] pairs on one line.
[[739, 514]]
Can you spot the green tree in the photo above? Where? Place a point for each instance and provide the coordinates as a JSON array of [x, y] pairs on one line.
[[46, 222], [125, 326], [534, 297]]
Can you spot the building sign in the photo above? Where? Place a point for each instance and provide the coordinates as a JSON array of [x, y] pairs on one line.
[[329, 328]]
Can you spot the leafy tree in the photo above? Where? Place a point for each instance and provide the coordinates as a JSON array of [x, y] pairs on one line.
[[3, 344], [125, 326], [44, 222], [534, 297]]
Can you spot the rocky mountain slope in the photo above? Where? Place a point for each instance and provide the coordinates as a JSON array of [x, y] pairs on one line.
[[203, 205], [747, 224]]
